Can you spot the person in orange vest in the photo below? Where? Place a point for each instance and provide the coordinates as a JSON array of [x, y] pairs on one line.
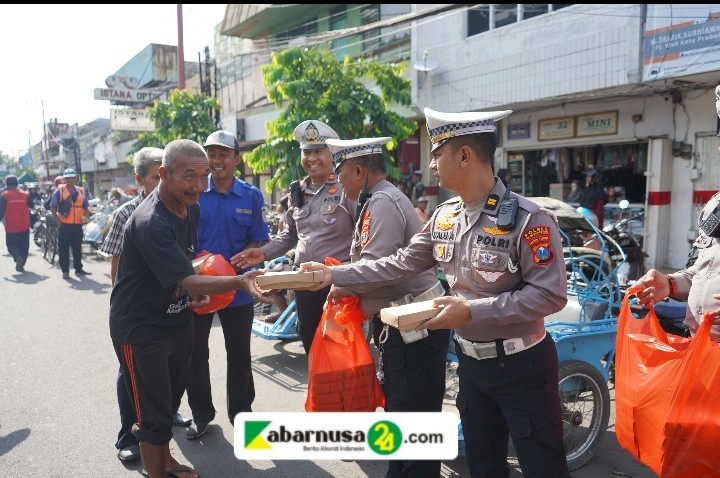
[[70, 208], [15, 214]]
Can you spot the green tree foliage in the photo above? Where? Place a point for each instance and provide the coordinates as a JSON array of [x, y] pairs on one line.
[[184, 115], [313, 84]]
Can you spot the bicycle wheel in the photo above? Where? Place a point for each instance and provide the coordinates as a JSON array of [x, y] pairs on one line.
[[585, 408], [45, 243], [53, 246]]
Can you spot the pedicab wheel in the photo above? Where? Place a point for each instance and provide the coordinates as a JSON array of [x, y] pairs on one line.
[[585, 407]]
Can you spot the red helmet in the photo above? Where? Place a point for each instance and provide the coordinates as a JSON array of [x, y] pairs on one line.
[[59, 180]]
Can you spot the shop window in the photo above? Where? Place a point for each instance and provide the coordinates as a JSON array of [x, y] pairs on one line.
[[530, 10], [487, 17], [478, 20], [505, 14], [549, 172]]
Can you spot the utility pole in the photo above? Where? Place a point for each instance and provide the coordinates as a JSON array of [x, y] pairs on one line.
[[180, 49], [76, 154], [44, 143]]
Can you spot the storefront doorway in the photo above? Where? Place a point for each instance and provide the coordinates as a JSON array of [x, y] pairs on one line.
[[549, 172]]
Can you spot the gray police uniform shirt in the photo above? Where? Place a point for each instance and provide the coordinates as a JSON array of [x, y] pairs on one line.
[[699, 283], [388, 222], [512, 279], [321, 228]]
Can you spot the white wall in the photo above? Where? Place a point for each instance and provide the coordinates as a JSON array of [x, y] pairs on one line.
[[578, 48]]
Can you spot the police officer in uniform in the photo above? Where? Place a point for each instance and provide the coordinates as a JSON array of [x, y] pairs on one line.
[[502, 256], [413, 363], [319, 225], [699, 284]]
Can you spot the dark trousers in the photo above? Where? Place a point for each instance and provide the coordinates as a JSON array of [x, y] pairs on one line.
[[512, 396], [309, 306], [70, 236], [127, 415], [236, 324], [18, 244], [156, 374], [414, 382]]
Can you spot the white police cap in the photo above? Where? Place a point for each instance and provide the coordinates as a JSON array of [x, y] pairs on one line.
[[443, 126], [312, 134], [344, 149], [223, 138]]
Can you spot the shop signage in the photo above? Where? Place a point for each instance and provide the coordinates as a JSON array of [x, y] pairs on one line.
[[518, 131], [597, 124], [556, 128], [130, 119], [126, 96]]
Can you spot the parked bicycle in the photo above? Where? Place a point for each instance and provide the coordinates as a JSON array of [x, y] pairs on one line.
[[46, 236]]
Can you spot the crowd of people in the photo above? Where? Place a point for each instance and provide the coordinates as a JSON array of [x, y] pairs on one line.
[[500, 253]]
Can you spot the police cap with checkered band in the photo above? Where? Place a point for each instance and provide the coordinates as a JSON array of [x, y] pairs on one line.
[[344, 149], [312, 134], [444, 126]]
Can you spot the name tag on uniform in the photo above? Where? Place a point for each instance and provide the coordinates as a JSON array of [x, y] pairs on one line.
[[240, 210]]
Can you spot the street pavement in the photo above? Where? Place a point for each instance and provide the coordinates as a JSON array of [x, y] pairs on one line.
[[58, 406]]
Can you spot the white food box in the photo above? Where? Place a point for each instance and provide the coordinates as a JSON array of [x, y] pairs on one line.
[[408, 316], [288, 279]]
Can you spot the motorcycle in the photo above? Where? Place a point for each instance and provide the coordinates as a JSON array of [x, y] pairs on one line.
[[622, 233], [96, 229]]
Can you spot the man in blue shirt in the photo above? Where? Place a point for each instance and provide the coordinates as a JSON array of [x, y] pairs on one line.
[[231, 220]]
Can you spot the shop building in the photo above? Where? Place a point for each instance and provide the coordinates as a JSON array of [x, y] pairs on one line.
[[625, 89]]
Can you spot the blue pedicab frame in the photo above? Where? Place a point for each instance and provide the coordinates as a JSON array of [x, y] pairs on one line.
[[285, 327], [584, 332]]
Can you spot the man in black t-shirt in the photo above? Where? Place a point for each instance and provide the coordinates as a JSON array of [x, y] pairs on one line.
[[150, 305]]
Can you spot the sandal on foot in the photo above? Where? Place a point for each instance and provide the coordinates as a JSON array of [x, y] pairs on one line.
[[182, 471]]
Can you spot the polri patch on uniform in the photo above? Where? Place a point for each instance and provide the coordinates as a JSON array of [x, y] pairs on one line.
[[332, 190], [538, 238], [492, 202], [365, 229]]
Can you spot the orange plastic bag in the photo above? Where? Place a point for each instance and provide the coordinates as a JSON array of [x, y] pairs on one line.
[[216, 265], [341, 371], [666, 396]]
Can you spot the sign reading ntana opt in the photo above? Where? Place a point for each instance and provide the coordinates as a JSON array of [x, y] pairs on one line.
[[349, 435]]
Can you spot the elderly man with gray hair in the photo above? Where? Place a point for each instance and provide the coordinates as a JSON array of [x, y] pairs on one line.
[[147, 163], [156, 289]]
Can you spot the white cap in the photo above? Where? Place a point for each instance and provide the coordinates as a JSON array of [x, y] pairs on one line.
[[344, 149], [223, 138], [443, 126], [311, 134]]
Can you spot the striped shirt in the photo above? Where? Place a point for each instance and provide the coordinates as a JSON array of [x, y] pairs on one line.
[[112, 244]]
